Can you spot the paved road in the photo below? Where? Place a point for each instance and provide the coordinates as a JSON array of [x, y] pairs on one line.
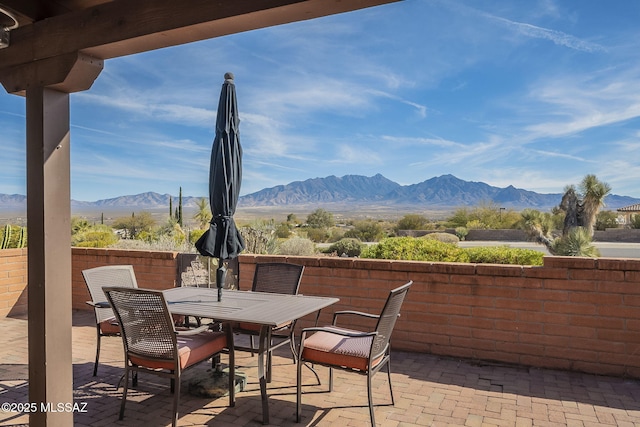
[[607, 249]]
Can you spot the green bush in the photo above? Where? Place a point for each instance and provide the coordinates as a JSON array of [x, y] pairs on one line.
[[462, 232], [504, 255], [99, 236], [318, 235], [409, 248], [348, 246], [194, 235], [442, 237]]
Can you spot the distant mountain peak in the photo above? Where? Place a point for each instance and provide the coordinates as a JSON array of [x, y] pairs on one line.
[[352, 192]]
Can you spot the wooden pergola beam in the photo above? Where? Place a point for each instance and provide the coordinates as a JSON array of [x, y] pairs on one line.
[[125, 27]]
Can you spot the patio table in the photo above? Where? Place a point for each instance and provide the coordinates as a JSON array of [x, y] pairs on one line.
[[266, 309]]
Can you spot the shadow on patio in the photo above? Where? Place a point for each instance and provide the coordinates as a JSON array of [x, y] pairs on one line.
[[429, 390]]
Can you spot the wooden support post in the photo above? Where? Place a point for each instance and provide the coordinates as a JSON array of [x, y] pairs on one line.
[[49, 256]]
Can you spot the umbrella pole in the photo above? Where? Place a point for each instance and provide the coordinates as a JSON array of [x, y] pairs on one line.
[[221, 275]]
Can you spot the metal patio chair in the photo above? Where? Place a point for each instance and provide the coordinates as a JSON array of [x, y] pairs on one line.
[[152, 344], [95, 279], [362, 352], [273, 277]]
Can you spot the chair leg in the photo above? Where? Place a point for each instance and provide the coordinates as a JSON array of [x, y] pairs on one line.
[[299, 390], [232, 380], [95, 365], [176, 397], [124, 391], [330, 379], [389, 377], [370, 396]]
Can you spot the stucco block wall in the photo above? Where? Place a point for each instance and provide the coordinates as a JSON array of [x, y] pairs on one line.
[[572, 313], [13, 282], [153, 270]]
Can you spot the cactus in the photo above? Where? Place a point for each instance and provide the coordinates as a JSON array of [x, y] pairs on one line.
[[6, 236], [22, 242], [13, 237]]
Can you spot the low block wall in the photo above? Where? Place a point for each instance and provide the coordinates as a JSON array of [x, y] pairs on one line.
[[153, 270], [572, 313], [13, 282]]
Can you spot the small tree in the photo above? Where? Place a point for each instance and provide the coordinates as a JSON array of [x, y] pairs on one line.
[[347, 247], [366, 231], [412, 222], [320, 218], [135, 224], [606, 219]]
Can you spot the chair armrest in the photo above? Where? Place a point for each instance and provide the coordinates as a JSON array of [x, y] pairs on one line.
[[338, 331], [353, 313], [101, 304]]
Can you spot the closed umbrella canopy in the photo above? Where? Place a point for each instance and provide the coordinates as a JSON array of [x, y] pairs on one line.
[[223, 240]]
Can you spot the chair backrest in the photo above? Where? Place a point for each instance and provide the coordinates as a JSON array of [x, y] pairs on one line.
[[277, 277], [387, 320], [145, 322], [109, 275]]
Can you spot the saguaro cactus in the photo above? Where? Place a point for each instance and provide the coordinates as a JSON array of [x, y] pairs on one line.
[[13, 237]]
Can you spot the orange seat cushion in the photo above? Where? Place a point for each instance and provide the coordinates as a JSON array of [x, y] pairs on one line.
[[332, 349], [191, 350], [110, 327]]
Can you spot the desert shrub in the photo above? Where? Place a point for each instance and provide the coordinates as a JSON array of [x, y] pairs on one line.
[[318, 235], [194, 235], [320, 218], [335, 234], [366, 231], [442, 237], [99, 236], [476, 224], [259, 237], [461, 232], [348, 246], [283, 230], [297, 246], [162, 243], [413, 222], [606, 219], [409, 248], [504, 255], [576, 243], [635, 221]]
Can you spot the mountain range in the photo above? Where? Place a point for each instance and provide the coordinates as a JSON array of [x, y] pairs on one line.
[[441, 192]]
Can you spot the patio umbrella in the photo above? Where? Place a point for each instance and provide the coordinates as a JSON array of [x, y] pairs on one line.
[[223, 240]]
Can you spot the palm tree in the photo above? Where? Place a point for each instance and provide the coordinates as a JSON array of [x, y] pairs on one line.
[[203, 216]]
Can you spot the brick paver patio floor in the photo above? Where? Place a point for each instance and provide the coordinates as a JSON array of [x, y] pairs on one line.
[[429, 391]]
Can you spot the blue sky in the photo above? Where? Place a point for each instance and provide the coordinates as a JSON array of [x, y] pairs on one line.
[[533, 94]]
